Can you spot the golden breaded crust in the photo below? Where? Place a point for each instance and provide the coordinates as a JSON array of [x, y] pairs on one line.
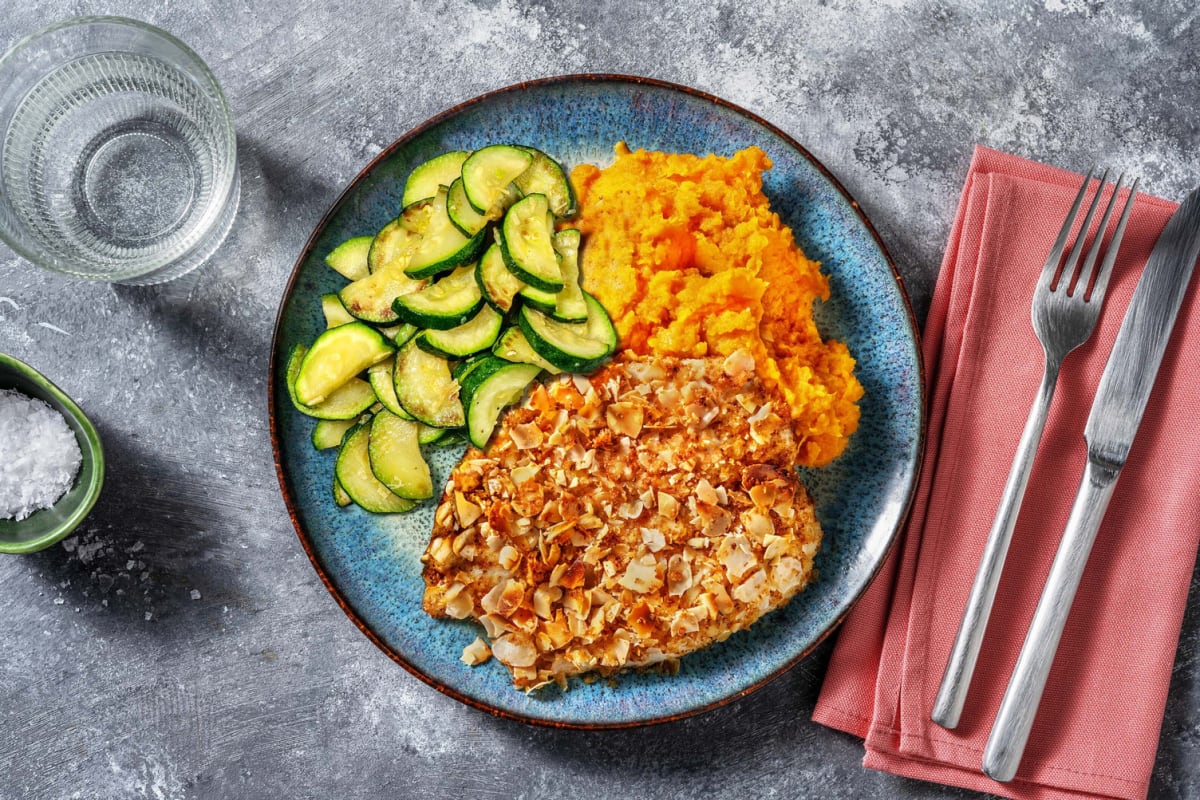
[[624, 519]]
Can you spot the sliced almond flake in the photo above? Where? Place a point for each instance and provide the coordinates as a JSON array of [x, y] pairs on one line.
[[524, 473], [773, 546], [476, 653], [509, 557], [654, 539], [631, 509], [625, 419], [460, 607], [679, 575], [749, 590], [514, 650]]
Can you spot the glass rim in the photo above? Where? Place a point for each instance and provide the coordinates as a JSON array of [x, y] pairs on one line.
[[202, 67]]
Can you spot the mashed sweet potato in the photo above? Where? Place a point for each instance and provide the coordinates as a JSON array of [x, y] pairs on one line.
[[689, 259]]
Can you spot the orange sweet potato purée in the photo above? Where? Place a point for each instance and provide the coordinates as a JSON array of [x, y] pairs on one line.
[[688, 258]]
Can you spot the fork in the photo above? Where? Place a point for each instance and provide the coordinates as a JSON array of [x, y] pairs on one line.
[[1064, 313]]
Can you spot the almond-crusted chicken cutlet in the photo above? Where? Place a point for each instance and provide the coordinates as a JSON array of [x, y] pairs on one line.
[[624, 519]]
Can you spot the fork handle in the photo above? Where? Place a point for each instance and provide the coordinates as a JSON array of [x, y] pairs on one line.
[[1010, 731], [948, 705]]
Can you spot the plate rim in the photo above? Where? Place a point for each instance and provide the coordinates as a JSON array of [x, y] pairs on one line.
[[290, 501]]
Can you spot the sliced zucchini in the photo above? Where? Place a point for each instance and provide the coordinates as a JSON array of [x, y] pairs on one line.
[[346, 402], [381, 377], [353, 472], [569, 305], [395, 456], [526, 244], [572, 347], [424, 180], [446, 437], [489, 389], [370, 298], [339, 494], [426, 389], [329, 433], [392, 247], [461, 212], [513, 346], [335, 313], [427, 434], [441, 246], [497, 284], [489, 171], [463, 367], [546, 176], [349, 259], [335, 357], [450, 302], [399, 334], [478, 334], [546, 302]]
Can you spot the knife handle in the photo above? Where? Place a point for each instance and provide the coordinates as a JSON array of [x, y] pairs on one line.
[[1010, 731]]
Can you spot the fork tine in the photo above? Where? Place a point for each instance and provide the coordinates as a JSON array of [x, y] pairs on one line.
[[1068, 270], [1050, 271], [1085, 272], [1111, 256]]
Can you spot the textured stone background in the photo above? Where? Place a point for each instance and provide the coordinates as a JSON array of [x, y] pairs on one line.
[[180, 645]]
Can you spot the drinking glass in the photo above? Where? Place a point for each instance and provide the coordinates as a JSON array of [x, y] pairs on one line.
[[118, 158]]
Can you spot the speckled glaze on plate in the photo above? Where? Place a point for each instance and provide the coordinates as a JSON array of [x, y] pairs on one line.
[[370, 563]]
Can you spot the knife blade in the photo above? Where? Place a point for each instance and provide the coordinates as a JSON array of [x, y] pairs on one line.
[[1121, 398], [1137, 353]]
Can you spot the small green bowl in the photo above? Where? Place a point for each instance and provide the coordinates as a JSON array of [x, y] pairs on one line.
[[43, 528]]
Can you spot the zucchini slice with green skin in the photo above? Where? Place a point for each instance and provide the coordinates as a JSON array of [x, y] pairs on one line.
[[382, 381], [428, 435], [346, 402], [479, 333], [448, 437], [335, 357], [395, 456], [329, 433], [490, 388], [488, 173], [392, 247], [399, 334], [335, 313], [370, 298], [424, 180], [353, 472], [497, 283], [461, 212], [441, 246], [349, 259], [546, 176], [572, 347], [526, 244], [426, 389], [450, 302], [569, 305], [463, 367], [546, 302], [339, 494], [513, 346]]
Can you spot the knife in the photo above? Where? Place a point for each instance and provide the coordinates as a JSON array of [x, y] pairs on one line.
[[1116, 413]]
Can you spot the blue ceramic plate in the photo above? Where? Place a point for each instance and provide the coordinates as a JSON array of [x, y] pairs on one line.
[[370, 563]]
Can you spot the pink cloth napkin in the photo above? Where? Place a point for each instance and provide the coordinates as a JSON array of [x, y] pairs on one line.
[[1097, 729]]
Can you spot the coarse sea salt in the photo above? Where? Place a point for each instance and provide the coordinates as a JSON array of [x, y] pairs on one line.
[[39, 456]]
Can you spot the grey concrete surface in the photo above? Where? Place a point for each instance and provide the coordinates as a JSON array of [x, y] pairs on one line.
[[180, 645]]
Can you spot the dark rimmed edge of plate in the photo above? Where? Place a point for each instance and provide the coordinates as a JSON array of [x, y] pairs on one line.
[[289, 501]]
